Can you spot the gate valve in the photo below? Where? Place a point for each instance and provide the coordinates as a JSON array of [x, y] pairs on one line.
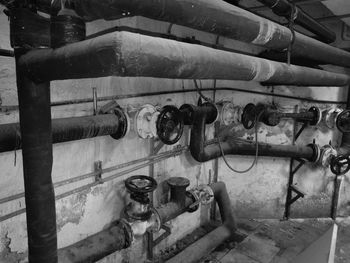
[[340, 165], [170, 125], [139, 186], [343, 121]]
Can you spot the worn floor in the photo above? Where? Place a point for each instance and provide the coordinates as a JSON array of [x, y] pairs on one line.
[[274, 241]]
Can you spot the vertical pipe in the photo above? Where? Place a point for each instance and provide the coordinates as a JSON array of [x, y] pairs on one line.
[[35, 124]]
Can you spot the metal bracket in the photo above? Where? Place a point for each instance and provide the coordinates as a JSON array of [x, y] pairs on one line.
[[98, 171], [162, 236]]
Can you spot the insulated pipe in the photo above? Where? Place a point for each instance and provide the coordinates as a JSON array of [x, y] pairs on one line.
[[35, 123], [285, 9], [208, 243], [116, 237], [217, 17], [130, 54], [67, 129], [202, 152]]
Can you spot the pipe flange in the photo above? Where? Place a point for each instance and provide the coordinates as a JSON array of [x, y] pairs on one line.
[[230, 114], [341, 121], [330, 117], [316, 157], [145, 124], [317, 116], [129, 235], [326, 155], [124, 123], [206, 194], [196, 201]]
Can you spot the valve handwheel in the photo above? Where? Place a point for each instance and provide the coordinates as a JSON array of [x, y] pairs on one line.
[[343, 121], [249, 116], [340, 165], [140, 184], [170, 125]]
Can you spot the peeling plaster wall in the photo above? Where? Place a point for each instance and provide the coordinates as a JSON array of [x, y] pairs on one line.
[[259, 193]]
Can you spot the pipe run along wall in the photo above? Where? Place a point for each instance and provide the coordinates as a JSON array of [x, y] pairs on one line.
[[202, 152], [130, 54], [67, 129], [217, 17]]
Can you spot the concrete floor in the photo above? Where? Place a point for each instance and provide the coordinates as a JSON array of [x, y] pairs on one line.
[[274, 241]]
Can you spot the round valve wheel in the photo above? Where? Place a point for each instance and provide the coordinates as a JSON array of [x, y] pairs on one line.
[[140, 184], [170, 125], [249, 116], [343, 121], [340, 165]]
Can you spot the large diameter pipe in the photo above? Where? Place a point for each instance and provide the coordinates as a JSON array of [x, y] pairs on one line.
[[208, 243], [64, 130], [130, 54], [95, 247], [35, 123], [285, 9], [202, 152], [216, 17]]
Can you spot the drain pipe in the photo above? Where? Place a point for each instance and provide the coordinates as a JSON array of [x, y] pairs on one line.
[[70, 129], [36, 133], [217, 17], [286, 9], [130, 54], [208, 243], [202, 151]]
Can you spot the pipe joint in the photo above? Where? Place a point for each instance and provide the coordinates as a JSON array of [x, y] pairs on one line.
[[208, 110]]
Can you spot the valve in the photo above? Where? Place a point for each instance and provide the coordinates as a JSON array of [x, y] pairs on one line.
[[340, 165], [343, 121], [203, 194], [170, 125], [139, 187]]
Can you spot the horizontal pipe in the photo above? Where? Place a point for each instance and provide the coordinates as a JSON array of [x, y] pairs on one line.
[[97, 246], [6, 53], [64, 130], [130, 54], [286, 9], [217, 17], [208, 243], [202, 152], [172, 210]]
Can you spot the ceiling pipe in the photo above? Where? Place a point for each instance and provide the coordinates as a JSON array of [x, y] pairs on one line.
[[208, 243], [286, 9], [130, 54], [201, 151], [69, 129], [217, 17]]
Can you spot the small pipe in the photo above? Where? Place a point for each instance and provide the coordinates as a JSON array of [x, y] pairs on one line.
[[202, 151], [208, 243], [6, 53], [124, 54]]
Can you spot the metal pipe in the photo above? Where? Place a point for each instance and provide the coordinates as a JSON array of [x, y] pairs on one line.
[[6, 53], [129, 54], [217, 17], [205, 245], [202, 151], [287, 10], [93, 248], [345, 141], [35, 124], [66, 129]]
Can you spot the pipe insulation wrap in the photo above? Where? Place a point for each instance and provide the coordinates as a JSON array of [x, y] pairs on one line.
[[217, 17], [64, 130], [130, 54]]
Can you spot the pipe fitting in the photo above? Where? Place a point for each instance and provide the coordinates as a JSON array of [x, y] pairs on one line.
[[210, 110], [178, 187], [327, 153]]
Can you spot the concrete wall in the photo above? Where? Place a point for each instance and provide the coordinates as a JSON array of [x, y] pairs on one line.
[[259, 193]]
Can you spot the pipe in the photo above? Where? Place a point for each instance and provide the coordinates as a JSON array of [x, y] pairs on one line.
[[35, 124], [217, 17], [6, 53], [202, 151], [95, 247], [208, 243], [344, 148], [130, 54], [285, 9], [68, 129]]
